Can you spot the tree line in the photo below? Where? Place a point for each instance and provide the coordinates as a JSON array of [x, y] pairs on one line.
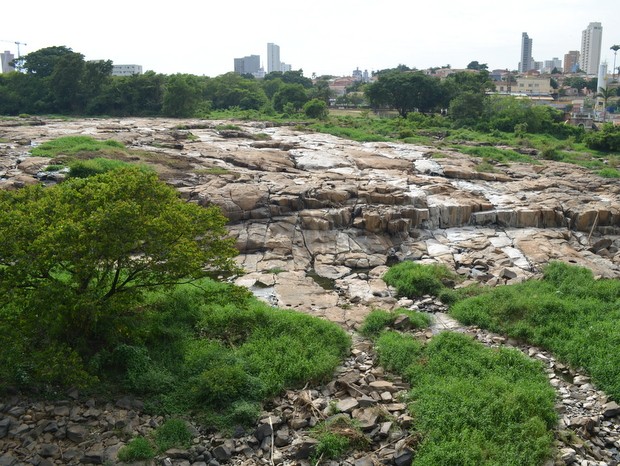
[[56, 80]]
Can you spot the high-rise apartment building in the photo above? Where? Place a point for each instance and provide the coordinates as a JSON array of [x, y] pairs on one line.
[[571, 61], [527, 62], [591, 39], [273, 58], [247, 65], [6, 58]]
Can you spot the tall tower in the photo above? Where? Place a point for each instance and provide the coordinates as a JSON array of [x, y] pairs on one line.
[[571, 61], [527, 62], [273, 57], [5, 59], [591, 39]]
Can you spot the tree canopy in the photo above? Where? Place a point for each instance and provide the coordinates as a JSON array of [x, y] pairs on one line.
[[77, 256], [405, 91]]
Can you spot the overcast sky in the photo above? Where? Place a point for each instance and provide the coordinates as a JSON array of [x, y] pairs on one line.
[[319, 36]]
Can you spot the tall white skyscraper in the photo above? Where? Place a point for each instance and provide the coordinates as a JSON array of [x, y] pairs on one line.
[[527, 62], [273, 58], [590, 57]]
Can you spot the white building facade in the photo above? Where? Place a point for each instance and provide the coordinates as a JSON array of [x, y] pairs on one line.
[[590, 57]]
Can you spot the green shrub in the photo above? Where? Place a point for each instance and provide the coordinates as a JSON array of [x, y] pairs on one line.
[[220, 386], [412, 279], [378, 320], [609, 173], [397, 351], [174, 433], [336, 437], [138, 449], [92, 167]]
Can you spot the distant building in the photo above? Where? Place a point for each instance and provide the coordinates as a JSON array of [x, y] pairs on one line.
[[533, 85], [126, 70], [284, 67], [6, 58], [550, 65], [247, 65], [527, 62], [591, 39], [273, 58], [571, 61]]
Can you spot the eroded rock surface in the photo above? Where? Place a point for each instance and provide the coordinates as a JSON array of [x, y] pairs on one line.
[[317, 218]]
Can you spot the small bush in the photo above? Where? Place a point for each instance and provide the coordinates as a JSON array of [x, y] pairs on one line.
[[138, 449], [92, 167], [174, 433], [378, 320], [609, 173], [336, 437], [412, 279], [220, 386]]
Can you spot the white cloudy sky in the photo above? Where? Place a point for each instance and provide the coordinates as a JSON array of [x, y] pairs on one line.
[[320, 36]]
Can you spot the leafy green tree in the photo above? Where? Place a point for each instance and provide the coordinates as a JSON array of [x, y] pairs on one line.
[[232, 90], [290, 77], [406, 92], [43, 61], [321, 90], [292, 95], [75, 258], [467, 108], [182, 93], [316, 108], [139, 94], [605, 139], [475, 65], [65, 83]]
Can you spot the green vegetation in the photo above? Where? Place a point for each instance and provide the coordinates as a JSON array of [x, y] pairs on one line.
[[174, 433], [412, 279], [104, 286], [378, 320], [71, 145], [473, 405], [138, 449], [567, 312], [337, 436], [496, 154], [96, 166]]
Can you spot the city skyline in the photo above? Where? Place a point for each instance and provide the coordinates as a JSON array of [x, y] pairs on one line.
[[325, 38]]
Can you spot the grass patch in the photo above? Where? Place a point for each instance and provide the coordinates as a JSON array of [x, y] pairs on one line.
[[138, 449], [92, 167], [496, 154], [568, 312], [379, 320], [213, 171], [473, 405], [72, 145], [173, 433], [412, 279], [337, 436], [609, 173], [212, 350]]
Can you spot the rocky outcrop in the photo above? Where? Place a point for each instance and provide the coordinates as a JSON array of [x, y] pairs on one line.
[[332, 213]]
